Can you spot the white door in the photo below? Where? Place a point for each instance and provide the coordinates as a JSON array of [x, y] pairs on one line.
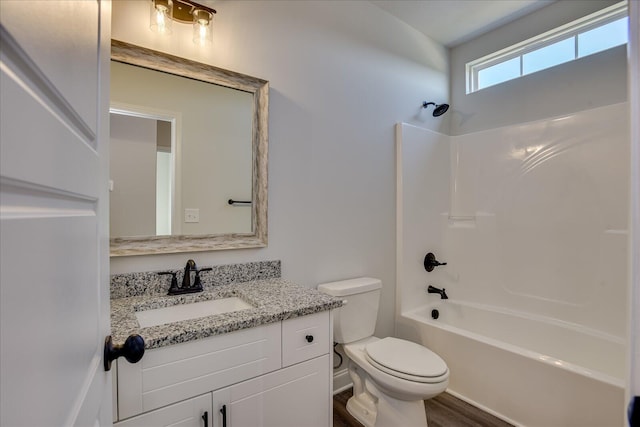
[[634, 100], [54, 259]]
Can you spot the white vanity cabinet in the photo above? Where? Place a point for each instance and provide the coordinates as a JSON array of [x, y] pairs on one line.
[[278, 374], [297, 396], [193, 412]]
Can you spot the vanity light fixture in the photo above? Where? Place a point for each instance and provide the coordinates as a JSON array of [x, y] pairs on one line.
[[164, 12]]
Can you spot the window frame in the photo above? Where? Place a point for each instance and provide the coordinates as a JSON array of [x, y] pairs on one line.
[[571, 30]]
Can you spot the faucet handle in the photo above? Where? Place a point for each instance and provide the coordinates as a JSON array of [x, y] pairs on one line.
[[197, 283], [174, 280], [430, 262]]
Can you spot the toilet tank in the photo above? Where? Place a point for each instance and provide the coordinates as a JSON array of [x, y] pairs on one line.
[[356, 319]]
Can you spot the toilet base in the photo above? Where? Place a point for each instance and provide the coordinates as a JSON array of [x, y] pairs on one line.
[[361, 410], [373, 408]]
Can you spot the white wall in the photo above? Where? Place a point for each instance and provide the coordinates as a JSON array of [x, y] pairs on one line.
[[341, 75], [586, 83]]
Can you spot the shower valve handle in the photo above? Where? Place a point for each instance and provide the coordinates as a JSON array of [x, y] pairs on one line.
[[430, 262]]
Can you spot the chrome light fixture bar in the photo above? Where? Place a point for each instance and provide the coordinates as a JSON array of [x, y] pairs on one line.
[[164, 12]]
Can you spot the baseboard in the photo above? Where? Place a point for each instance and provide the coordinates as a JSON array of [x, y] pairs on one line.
[[484, 408], [341, 381]]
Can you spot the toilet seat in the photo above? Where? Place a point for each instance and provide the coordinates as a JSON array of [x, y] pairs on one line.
[[406, 360]]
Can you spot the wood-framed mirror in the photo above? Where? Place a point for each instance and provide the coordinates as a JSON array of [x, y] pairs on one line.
[[205, 135]]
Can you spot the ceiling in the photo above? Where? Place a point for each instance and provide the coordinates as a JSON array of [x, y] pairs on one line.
[[451, 22]]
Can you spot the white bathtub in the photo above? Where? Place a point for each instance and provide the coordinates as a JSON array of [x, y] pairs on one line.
[[528, 370]]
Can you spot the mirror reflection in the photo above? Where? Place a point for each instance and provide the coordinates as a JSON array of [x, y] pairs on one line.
[[210, 164], [187, 138]]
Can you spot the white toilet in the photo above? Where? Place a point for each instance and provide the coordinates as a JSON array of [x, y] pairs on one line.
[[391, 377]]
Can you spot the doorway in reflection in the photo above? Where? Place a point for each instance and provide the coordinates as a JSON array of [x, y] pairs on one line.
[[141, 176]]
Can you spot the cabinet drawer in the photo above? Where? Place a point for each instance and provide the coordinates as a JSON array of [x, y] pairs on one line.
[[176, 372], [305, 337]]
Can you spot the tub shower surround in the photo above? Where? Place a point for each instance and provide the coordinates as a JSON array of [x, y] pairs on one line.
[[258, 283], [533, 221]]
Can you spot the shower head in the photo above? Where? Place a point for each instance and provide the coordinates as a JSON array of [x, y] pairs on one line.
[[438, 110]]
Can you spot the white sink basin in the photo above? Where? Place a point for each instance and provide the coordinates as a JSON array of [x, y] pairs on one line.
[[177, 313]]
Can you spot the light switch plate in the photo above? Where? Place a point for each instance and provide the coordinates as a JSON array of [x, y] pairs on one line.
[[192, 215]]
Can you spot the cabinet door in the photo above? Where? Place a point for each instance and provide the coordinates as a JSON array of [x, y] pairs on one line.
[[194, 412], [297, 396]]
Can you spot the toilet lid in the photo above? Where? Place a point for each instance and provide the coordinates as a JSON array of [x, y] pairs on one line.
[[406, 359]]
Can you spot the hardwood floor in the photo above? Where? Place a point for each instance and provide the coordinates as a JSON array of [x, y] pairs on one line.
[[341, 418], [442, 411]]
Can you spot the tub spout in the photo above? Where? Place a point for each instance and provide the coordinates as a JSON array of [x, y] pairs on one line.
[[434, 290]]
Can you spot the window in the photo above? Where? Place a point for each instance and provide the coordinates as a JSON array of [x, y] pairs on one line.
[[594, 33]]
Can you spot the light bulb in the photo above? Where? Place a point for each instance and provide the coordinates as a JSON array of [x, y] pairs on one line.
[[160, 19], [161, 13], [203, 28], [202, 23]]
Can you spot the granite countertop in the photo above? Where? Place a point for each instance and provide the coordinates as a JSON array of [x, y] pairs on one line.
[[274, 300]]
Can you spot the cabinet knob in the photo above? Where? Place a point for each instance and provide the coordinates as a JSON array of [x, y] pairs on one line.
[[309, 338], [132, 350]]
